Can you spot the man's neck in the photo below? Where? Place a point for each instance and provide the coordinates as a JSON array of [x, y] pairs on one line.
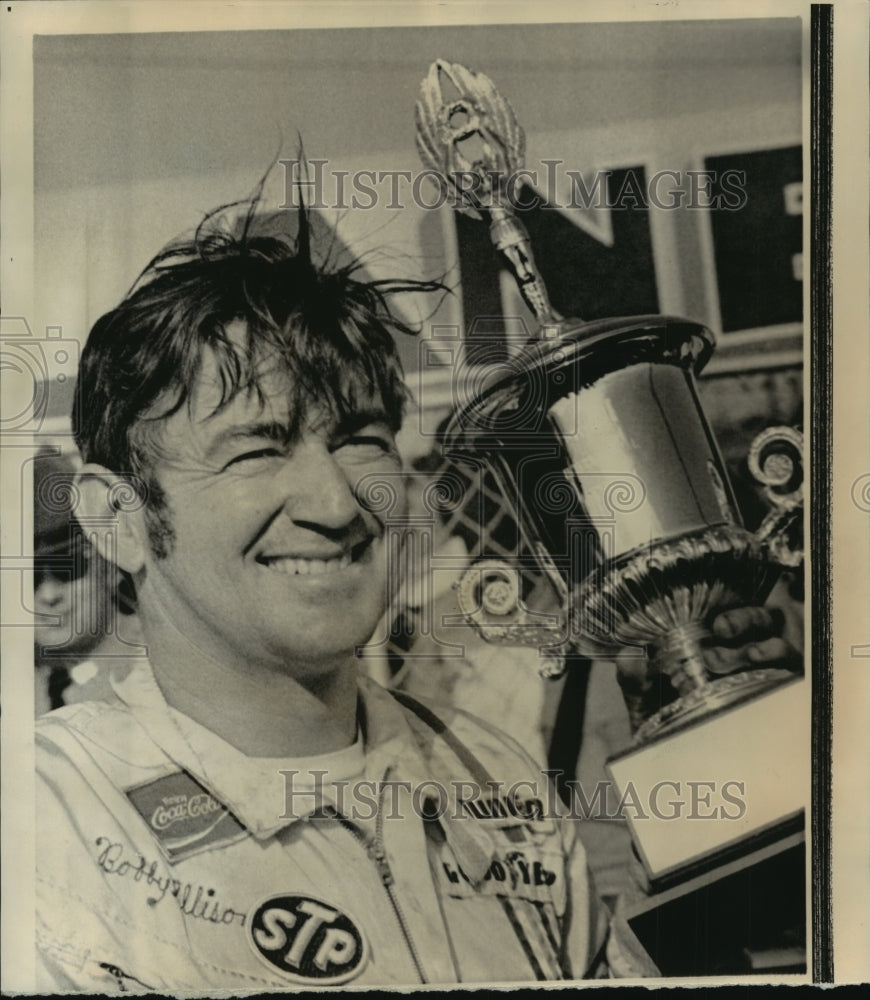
[[266, 713], [263, 711]]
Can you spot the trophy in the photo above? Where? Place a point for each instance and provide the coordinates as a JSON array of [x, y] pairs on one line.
[[596, 437]]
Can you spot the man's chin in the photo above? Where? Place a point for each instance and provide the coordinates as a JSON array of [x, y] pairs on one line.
[[321, 655], [50, 649]]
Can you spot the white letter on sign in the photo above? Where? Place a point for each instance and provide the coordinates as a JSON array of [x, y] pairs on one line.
[[338, 947], [275, 921], [317, 916]]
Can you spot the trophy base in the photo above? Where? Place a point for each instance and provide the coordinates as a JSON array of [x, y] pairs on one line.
[[710, 790], [708, 699]]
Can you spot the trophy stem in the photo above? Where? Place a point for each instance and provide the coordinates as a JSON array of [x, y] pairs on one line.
[[510, 237], [680, 655]]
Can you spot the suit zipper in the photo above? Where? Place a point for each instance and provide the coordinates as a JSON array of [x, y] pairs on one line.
[[374, 848]]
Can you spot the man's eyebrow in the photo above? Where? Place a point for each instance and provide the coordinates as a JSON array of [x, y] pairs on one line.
[[269, 430]]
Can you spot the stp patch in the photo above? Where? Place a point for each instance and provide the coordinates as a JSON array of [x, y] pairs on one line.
[[307, 940], [183, 816]]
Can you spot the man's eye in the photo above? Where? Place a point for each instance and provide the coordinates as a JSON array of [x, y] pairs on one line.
[[361, 446], [253, 456], [374, 441], [371, 441]]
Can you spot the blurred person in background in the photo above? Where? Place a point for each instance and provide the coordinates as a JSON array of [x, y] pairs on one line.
[[79, 598]]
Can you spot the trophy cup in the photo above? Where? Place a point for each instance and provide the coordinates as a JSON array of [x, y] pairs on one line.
[[598, 441]]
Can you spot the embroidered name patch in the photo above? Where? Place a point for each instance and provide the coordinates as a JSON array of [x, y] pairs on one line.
[[500, 811], [183, 816], [307, 940], [530, 875]]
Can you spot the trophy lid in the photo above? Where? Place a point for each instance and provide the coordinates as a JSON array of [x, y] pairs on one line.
[[514, 396]]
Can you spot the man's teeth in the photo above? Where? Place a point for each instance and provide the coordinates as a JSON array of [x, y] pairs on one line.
[[311, 567]]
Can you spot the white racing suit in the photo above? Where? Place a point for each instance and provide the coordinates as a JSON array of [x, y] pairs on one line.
[[166, 861]]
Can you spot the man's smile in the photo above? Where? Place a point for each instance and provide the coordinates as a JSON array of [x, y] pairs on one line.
[[316, 564]]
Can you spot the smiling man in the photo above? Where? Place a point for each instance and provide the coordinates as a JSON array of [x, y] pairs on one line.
[[206, 827], [244, 811]]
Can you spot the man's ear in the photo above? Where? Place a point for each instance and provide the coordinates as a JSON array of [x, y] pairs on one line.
[[112, 516]]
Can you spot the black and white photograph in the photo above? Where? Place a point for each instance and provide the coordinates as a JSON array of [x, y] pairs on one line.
[[419, 448]]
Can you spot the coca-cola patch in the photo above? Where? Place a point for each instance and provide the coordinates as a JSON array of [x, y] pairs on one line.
[[183, 816]]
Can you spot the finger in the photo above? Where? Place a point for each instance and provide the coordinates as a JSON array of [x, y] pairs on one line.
[[745, 622], [721, 660], [773, 651], [737, 621]]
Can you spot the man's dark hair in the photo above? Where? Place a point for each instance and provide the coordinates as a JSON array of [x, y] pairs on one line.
[[320, 323]]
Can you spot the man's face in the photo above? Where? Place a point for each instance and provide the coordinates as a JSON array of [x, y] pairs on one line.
[[275, 561]]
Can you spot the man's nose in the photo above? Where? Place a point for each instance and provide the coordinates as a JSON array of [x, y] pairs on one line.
[[50, 593], [320, 491]]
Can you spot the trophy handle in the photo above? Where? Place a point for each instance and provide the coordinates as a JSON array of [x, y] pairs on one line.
[[489, 596], [775, 460]]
